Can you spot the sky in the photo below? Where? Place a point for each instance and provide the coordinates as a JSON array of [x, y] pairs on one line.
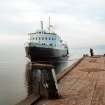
[[80, 23]]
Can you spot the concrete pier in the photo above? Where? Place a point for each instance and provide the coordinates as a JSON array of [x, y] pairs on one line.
[[82, 84]]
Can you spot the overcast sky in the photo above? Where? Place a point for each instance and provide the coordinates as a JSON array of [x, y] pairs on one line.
[[78, 22]]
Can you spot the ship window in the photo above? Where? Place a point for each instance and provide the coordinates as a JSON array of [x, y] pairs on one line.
[[61, 41], [33, 38], [52, 38], [50, 44], [42, 38], [36, 38], [46, 38], [49, 38], [39, 38]]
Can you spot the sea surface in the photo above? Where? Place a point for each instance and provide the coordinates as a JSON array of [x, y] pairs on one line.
[[13, 70]]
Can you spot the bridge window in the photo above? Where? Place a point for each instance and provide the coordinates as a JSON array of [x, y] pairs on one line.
[[39, 32]]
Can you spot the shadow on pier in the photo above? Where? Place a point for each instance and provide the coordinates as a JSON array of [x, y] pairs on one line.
[[41, 77], [41, 80]]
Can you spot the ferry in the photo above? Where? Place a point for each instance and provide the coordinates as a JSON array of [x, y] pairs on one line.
[[45, 45]]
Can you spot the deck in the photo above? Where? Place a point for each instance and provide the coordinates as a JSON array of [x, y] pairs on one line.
[[83, 85]]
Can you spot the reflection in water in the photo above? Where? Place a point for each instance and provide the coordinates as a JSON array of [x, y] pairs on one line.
[[41, 81]]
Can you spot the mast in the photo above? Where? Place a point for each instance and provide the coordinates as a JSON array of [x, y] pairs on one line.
[[41, 26], [49, 24]]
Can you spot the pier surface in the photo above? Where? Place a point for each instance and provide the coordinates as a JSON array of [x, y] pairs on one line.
[[83, 85]]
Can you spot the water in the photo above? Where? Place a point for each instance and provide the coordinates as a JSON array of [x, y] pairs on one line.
[[13, 85], [12, 69]]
